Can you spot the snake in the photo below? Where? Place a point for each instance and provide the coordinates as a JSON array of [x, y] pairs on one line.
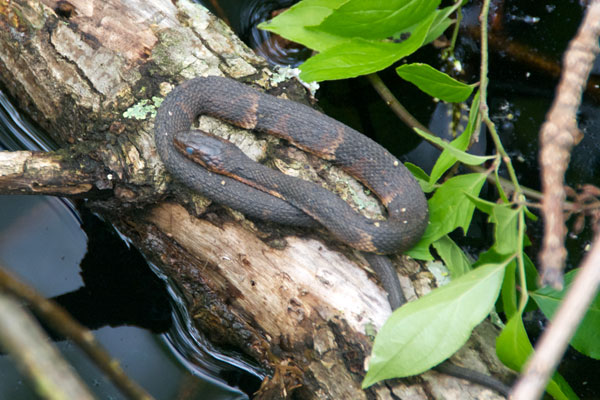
[[280, 198], [220, 171]]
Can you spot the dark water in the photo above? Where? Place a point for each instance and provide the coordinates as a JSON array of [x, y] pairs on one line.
[[62, 252]]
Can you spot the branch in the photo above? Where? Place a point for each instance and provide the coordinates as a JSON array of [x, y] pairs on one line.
[[558, 136], [25, 341], [54, 173], [64, 324], [556, 337]]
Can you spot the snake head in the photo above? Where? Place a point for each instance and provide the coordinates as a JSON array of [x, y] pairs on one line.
[[202, 148]]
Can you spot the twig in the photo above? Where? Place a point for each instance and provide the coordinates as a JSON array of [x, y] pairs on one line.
[[62, 322], [556, 337], [524, 55], [394, 104], [22, 337], [483, 106], [558, 136]]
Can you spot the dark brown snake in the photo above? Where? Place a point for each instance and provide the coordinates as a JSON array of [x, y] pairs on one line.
[[231, 179], [304, 202]]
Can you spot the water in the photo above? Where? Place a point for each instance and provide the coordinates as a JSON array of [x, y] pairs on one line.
[[49, 244]]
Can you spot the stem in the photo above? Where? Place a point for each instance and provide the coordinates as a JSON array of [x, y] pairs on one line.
[[455, 31], [393, 103], [412, 122], [483, 106], [524, 296]]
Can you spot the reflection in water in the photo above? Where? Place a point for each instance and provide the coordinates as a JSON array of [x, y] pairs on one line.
[[43, 243], [17, 133], [200, 356], [244, 15]]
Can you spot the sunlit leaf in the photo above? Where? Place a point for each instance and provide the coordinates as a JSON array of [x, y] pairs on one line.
[[360, 57], [425, 332], [441, 22], [292, 24], [435, 83], [376, 19], [446, 160], [421, 177], [460, 155], [505, 221], [450, 209]]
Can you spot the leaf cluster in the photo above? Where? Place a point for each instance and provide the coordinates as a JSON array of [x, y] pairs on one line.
[[355, 37]]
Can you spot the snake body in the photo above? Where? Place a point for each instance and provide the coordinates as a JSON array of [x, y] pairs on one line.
[[300, 203], [309, 130], [283, 199]]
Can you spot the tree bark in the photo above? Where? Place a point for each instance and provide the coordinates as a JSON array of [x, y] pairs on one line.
[[92, 74]]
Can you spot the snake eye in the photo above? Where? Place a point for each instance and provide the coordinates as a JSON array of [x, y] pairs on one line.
[[189, 150]]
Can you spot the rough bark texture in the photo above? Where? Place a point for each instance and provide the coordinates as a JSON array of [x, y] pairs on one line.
[[90, 72]]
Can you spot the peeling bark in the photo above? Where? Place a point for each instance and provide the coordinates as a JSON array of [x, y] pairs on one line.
[[295, 301]]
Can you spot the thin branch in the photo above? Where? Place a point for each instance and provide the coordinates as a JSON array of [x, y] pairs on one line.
[[483, 106], [558, 136], [525, 55], [556, 337], [394, 104], [53, 173], [63, 323], [22, 337]]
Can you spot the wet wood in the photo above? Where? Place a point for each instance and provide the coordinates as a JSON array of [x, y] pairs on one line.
[[92, 74]]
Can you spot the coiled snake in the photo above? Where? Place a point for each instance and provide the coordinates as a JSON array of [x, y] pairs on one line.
[[284, 199], [221, 172]]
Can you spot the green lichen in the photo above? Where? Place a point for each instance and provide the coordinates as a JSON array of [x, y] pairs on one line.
[[143, 108]]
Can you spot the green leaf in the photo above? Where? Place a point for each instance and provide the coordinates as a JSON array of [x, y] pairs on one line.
[[505, 220], [441, 22], [423, 333], [505, 228], [449, 208], [499, 187], [455, 259], [531, 273], [509, 290], [420, 252], [512, 345], [460, 155], [292, 24], [513, 349], [376, 19], [446, 160], [435, 83], [361, 57], [585, 339], [421, 177], [484, 206], [559, 388]]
